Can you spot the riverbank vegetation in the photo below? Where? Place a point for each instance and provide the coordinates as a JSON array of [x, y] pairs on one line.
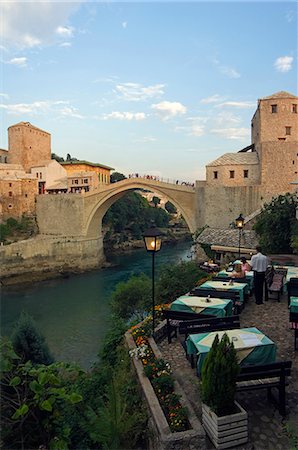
[[14, 230]]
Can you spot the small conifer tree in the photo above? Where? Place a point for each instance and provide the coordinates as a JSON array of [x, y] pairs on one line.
[[219, 373], [29, 343]]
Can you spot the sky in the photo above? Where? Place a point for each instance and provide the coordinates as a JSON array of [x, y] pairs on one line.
[[160, 88]]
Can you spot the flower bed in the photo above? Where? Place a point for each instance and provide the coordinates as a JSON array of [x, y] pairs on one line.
[[159, 372]]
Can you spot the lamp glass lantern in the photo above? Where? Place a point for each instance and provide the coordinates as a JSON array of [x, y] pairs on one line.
[[152, 240], [239, 222]]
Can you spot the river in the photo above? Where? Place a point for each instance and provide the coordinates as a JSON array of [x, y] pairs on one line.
[[73, 314]]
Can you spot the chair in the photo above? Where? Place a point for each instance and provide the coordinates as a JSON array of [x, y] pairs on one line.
[[274, 283], [292, 287]]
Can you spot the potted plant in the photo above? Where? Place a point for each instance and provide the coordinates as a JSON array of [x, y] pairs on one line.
[[224, 420]]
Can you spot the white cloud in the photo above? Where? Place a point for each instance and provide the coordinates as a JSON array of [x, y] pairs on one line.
[[69, 111], [240, 105], [284, 63], [124, 24], [290, 15], [136, 92], [212, 99], [59, 107], [168, 110], [227, 118], [125, 116], [232, 133], [65, 44], [146, 139], [32, 24], [65, 32], [19, 62], [230, 72], [4, 95]]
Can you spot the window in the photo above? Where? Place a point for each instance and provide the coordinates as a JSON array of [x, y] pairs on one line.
[[215, 174], [9, 184], [26, 195], [10, 206], [10, 194], [274, 108], [85, 180], [294, 108], [76, 181], [36, 174], [245, 173], [40, 175], [232, 173], [288, 131]]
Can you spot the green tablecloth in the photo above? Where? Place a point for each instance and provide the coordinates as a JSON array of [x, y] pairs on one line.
[[216, 306], [251, 345], [241, 288], [292, 272], [249, 277], [294, 304]]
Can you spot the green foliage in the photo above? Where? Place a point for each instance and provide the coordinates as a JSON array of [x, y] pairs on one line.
[[176, 280], [155, 200], [29, 343], [219, 374], [33, 401], [276, 223], [134, 214], [170, 208], [12, 225], [114, 337], [294, 241], [132, 298], [57, 158], [117, 176], [113, 425]]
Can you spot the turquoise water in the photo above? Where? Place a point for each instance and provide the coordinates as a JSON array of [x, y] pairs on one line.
[[73, 314]]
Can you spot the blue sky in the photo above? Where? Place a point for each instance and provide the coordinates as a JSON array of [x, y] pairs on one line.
[[157, 88]]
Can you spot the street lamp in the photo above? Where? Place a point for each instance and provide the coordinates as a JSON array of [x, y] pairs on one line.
[[152, 239], [239, 224]]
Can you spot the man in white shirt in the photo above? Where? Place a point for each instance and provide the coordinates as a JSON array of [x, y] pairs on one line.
[[259, 264]]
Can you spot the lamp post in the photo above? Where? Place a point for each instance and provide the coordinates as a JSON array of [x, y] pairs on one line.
[[239, 224], [152, 239]]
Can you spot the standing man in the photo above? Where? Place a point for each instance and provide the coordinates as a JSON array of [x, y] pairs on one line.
[[259, 265]]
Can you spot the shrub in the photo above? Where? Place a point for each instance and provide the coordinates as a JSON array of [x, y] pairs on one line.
[[29, 343], [219, 373]]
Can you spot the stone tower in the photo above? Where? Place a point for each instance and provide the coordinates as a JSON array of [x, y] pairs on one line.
[[28, 145], [274, 134]]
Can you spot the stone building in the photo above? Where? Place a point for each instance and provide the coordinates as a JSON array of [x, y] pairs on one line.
[[28, 145], [82, 181], [103, 172], [51, 177], [242, 182], [18, 190]]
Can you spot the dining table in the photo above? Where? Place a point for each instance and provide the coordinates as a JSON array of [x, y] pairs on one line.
[[240, 288], [252, 346], [248, 275], [203, 305]]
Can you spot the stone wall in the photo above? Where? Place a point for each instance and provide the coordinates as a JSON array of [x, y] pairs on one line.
[[223, 175], [46, 254], [217, 207]]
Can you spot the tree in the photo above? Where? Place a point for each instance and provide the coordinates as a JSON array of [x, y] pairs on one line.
[[29, 343], [275, 225], [221, 365], [176, 280], [155, 201], [117, 176], [132, 298], [56, 157], [170, 208]]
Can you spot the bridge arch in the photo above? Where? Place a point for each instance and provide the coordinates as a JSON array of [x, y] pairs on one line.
[[98, 203]]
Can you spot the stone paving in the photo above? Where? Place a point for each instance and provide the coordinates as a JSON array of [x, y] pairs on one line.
[[267, 429]]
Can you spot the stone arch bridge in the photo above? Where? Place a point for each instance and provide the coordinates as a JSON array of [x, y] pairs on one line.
[[70, 225]]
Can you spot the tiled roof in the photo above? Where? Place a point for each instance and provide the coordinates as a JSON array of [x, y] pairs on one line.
[[28, 124], [280, 94], [228, 238], [235, 158]]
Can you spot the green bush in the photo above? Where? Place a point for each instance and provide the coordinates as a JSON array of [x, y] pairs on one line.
[[29, 343], [219, 374]]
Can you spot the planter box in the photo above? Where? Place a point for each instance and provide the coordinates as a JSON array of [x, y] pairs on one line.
[[226, 431]]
